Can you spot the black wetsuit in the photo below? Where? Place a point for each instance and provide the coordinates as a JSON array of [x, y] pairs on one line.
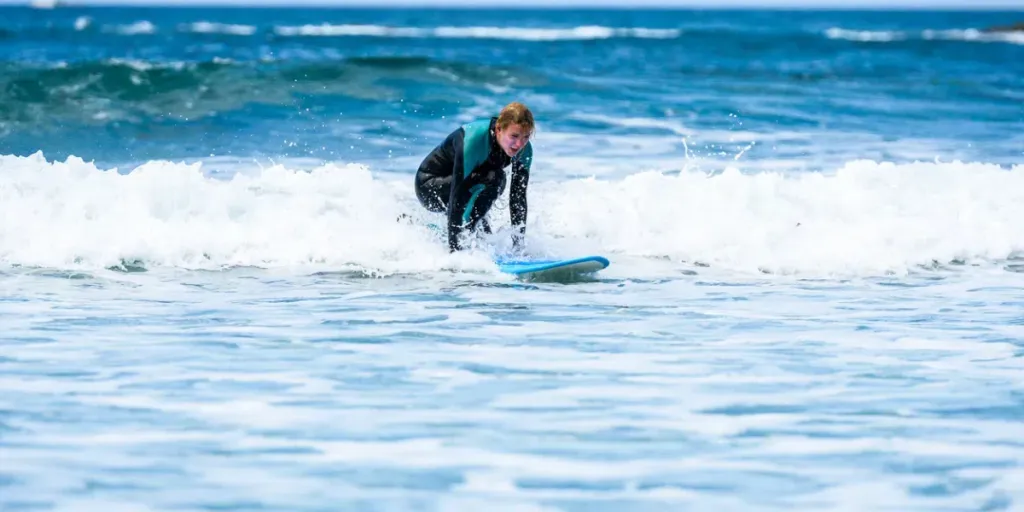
[[465, 174]]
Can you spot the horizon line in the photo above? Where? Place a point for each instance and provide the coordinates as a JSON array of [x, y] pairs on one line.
[[840, 5], [540, 5]]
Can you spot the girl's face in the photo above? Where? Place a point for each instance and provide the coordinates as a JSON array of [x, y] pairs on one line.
[[512, 138]]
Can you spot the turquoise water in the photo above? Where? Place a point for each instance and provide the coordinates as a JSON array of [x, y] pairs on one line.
[[813, 220]]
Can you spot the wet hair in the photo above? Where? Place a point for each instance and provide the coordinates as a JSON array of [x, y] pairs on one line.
[[518, 114]]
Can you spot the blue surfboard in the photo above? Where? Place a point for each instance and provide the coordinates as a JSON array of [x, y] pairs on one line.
[[553, 268]]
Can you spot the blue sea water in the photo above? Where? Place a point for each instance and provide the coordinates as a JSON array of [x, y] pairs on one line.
[[814, 221]]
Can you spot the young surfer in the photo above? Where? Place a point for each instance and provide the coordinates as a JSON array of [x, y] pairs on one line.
[[465, 173]]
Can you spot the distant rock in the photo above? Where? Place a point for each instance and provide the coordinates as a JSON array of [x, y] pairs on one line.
[[1015, 27]]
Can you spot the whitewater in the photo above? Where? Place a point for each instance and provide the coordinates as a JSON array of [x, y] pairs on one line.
[[864, 219]]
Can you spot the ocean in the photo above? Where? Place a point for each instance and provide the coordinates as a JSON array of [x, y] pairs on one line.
[[814, 222]]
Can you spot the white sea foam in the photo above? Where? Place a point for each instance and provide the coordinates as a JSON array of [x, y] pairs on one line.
[[864, 218], [82, 23], [137, 28], [208, 27], [483, 32], [884, 36], [864, 35]]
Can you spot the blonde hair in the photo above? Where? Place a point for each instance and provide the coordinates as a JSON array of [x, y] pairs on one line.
[[518, 114]]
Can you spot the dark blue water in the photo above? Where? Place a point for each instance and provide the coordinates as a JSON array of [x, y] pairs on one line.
[[341, 84]]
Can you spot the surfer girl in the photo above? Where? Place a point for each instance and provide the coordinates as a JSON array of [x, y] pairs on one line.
[[465, 173]]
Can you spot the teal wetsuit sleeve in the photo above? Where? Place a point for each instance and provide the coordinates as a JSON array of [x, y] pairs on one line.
[[470, 151], [517, 193]]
